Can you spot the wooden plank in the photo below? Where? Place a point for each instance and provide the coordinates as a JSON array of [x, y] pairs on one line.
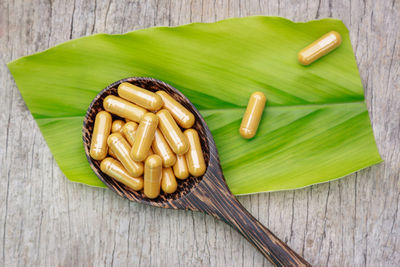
[[45, 220]]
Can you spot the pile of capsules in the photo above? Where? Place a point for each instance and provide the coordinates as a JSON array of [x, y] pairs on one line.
[[148, 150]]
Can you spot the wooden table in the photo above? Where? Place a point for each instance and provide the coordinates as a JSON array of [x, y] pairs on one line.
[[45, 220]]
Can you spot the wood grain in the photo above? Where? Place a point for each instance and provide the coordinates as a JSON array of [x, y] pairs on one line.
[[46, 220]]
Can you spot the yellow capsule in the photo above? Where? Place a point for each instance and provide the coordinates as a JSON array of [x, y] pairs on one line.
[[180, 168], [168, 181], [252, 116], [129, 131], [181, 115], [161, 148], [319, 48], [121, 149], [116, 126], [194, 157], [140, 96], [114, 169], [123, 108], [144, 137], [111, 153], [101, 131], [152, 176], [172, 133]]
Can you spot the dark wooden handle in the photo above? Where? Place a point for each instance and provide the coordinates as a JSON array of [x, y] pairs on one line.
[[214, 198], [263, 239]]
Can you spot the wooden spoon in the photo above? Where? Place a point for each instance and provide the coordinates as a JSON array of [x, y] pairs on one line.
[[209, 193]]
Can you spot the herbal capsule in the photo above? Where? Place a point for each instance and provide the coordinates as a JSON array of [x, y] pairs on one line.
[[152, 176], [111, 153], [181, 115], [180, 168], [121, 149], [116, 126], [319, 48], [140, 96], [252, 116], [123, 108], [194, 157], [144, 137], [161, 148], [114, 169], [129, 131], [101, 131], [172, 132], [168, 181]]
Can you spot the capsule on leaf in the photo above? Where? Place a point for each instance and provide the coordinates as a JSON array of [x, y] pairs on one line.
[[319, 48]]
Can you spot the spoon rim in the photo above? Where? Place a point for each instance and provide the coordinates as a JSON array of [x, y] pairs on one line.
[[164, 200]]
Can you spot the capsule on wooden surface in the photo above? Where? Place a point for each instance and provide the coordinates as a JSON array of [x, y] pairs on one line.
[[121, 149], [129, 131], [319, 48], [101, 131], [116, 126], [152, 176], [168, 181], [252, 116], [111, 153], [180, 168], [181, 115], [140, 96], [123, 108], [114, 169], [161, 148], [194, 157], [144, 137], [172, 133]]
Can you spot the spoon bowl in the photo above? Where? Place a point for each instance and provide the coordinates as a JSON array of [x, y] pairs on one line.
[[184, 186], [208, 193]]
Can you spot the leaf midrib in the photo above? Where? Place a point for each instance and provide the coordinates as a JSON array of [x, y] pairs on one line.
[[316, 105]]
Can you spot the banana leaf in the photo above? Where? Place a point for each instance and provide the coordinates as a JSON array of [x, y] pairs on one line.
[[315, 127]]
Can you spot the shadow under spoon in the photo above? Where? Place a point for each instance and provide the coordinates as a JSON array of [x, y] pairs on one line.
[[209, 193]]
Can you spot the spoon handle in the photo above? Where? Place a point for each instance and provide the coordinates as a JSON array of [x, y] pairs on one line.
[[263, 239], [214, 198]]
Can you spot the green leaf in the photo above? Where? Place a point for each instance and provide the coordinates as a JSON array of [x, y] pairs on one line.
[[315, 127]]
